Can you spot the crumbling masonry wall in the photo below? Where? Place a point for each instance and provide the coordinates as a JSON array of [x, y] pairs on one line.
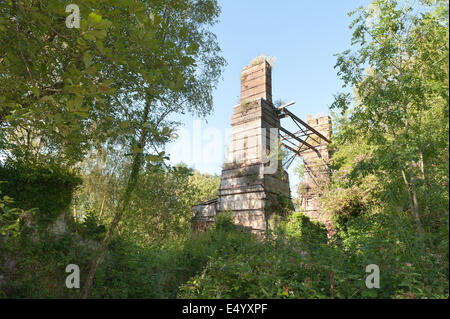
[[251, 182], [316, 170]]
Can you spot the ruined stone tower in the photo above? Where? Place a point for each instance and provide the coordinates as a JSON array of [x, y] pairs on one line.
[[316, 169], [252, 180]]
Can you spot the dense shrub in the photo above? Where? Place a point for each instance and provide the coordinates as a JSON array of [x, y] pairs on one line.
[[299, 227], [408, 269], [91, 226], [37, 265], [48, 188], [12, 218], [228, 262], [250, 267], [298, 263], [157, 271]]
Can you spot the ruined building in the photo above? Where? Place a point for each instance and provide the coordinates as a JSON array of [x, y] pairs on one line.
[[316, 169], [254, 186]]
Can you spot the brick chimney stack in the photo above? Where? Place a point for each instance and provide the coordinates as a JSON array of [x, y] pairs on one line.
[[256, 81], [247, 188]]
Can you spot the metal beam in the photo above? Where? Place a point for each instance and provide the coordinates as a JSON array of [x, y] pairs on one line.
[[285, 105], [288, 163], [286, 112], [299, 140], [291, 149]]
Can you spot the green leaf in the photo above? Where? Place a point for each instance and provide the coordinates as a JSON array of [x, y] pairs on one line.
[[98, 34], [165, 131], [87, 58], [89, 36], [35, 91], [104, 24], [75, 103], [154, 158], [96, 18], [372, 293], [192, 49], [124, 124]]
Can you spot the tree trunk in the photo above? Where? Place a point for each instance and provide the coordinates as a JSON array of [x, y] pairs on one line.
[[101, 207], [421, 164], [131, 184], [93, 270], [412, 194], [408, 191], [415, 202]]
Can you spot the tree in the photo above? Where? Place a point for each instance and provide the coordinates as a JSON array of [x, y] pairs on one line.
[[399, 72], [116, 79], [162, 205], [205, 187], [170, 37], [53, 79]]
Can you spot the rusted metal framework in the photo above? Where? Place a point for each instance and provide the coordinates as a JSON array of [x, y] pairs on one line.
[[301, 140]]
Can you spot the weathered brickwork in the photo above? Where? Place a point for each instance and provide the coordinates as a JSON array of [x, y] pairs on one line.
[[246, 188], [316, 169], [256, 81]]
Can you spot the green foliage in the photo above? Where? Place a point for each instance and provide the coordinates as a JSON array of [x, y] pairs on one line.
[[344, 203], [300, 227], [117, 79], [285, 203], [65, 89], [299, 263], [294, 225], [251, 268], [401, 101], [161, 207], [206, 186], [389, 240], [48, 188], [91, 226], [12, 219], [227, 262], [157, 271], [37, 264], [224, 222], [282, 207]]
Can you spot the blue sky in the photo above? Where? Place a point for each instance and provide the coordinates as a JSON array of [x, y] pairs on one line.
[[302, 35]]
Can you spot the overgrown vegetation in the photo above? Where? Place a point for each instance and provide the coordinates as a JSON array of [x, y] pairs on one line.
[[83, 180], [25, 183]]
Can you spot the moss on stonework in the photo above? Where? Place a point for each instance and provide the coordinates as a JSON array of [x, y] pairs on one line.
[[258, 60], [245, 107]]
